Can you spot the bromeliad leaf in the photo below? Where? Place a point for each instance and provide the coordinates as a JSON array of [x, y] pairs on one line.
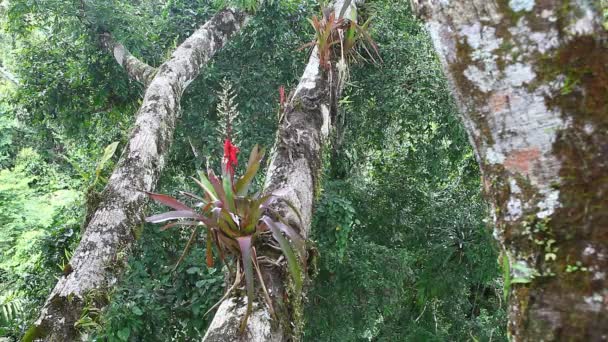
[[206, 186], [245, 248], [296, 239], [179, 223], [209, 248], [292, 261], [173, 215], [217, 185], [227, 183], [243, 184], [168, 201]]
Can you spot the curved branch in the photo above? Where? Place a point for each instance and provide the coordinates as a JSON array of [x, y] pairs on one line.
[[98, 259], [136, 69]]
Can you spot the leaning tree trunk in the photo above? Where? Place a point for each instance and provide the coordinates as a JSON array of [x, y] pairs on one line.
[[295, 166], [531, 80], [95, 265]]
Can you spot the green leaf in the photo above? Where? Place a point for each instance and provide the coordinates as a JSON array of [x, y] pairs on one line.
[[124, 334], [173, 215], [243, 184], [206, 186], [228, 191], [168, 201], [292, 261], [107, 155], [192, 270], [245, 248], [136, 310], [215, 182]]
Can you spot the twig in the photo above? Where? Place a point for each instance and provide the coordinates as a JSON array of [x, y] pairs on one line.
[[237, 281]]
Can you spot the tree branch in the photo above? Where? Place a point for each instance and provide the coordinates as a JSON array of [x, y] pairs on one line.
[[294, 167], [97, 261], [136, 69]]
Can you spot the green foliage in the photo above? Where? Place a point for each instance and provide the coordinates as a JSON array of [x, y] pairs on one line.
[[419, 264], [37, 219], [255, 5]]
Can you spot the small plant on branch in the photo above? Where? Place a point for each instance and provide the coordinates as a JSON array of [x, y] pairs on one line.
[[234, 220], [331, 31]]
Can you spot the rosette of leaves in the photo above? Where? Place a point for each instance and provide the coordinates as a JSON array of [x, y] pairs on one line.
[[331, 31], [233, 220]]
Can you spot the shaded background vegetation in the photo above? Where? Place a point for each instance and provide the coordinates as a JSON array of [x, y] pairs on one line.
[[405, 253]]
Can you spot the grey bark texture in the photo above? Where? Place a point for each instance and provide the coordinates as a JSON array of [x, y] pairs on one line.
[[135, 68], [105, 244], [531, 80], [294, 168]]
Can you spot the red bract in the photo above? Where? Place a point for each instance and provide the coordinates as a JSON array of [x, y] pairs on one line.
[[230, 159]]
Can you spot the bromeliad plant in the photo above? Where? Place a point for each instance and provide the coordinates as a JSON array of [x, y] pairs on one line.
[[331, 30], [234, 220]]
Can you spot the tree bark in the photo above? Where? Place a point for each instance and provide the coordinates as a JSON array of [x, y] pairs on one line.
[[136, 69], [294, 169], [105, 244], [531, 80]]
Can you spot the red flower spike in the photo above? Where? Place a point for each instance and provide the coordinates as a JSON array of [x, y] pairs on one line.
[[230, 159]]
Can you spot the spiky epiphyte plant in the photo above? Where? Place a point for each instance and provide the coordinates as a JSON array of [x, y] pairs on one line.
[[233, 220], [332, 30]]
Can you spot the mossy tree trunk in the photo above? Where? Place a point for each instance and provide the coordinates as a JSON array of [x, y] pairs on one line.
[[295, 167], [104, 246], [531, 80]]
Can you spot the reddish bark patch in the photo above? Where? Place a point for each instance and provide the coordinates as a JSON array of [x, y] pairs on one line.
[[521, 160], [498, 102]]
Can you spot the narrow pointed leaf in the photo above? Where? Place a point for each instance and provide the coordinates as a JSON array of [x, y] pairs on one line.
[[245, 247], [243, 184], [173, 215], [292, 261], [179, 223], [193, 196], [209, 251], [228, 191], [226, 217], [296, 239], [217, 186], [168, 201], [206, 186]]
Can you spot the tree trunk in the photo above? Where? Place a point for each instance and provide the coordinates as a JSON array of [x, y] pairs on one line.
[[531, 80], [295, 165], [105, 244]]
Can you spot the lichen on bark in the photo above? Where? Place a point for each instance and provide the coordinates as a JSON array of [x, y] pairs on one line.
[[530, 80]]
